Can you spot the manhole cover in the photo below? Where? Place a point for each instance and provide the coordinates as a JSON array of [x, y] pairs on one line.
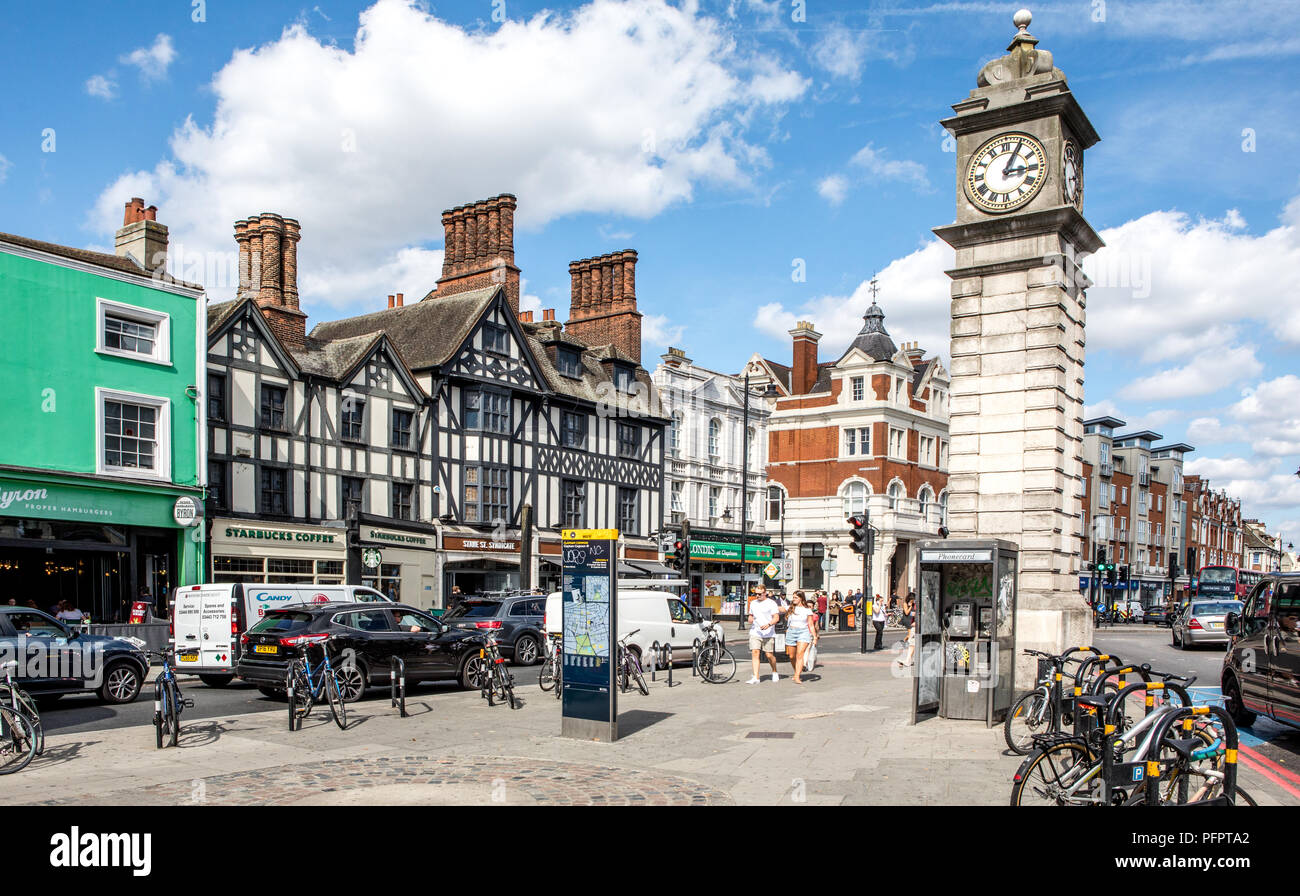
[[775, 735]]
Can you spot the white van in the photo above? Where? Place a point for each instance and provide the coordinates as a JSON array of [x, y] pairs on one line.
[[207, 620], [654, 615]]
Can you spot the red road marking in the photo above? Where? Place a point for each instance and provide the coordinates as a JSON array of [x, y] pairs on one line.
[[1276, 779], [1270, 764]]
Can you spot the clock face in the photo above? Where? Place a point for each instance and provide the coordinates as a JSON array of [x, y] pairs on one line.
[[1006, 172], [1072, 174]]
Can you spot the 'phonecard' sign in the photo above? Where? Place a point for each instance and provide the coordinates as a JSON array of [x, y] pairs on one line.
[[589, 608]]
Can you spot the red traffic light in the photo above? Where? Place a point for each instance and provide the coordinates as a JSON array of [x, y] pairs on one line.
[[857, 521]]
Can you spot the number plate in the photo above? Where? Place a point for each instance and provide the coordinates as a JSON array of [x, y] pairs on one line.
[[188, 657], [265, 648], [1215, 625]]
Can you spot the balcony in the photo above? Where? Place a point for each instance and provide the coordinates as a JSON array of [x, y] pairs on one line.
[[1106, 469], [1144, 480]]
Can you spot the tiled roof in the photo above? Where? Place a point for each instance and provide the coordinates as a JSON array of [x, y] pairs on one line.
[[122, 264]]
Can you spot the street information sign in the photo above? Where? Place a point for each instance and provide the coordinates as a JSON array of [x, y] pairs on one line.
[[588, 590]]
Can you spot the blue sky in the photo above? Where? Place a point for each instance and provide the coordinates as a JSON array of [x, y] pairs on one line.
[[728, 142]]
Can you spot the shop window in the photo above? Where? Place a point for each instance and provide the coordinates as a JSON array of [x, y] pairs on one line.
[[130, 332], [133, 430], [573, 429], [629, 440], [273, 403], [353, 497], [574, 496], [403, 423], [628, 518], [389, 580], [282, 571], [328, 568], [402, 494], [353, 418], [217, 412], [275, 491]]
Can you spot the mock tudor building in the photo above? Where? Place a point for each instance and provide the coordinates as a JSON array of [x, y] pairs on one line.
[[866, 432], [413, 437]]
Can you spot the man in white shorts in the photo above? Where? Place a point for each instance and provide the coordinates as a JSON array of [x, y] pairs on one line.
[[763, 614]]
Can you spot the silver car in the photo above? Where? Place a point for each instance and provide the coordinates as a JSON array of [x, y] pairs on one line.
[[1201, 622]]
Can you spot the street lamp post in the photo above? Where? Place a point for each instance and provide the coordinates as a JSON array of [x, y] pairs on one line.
[[744, 508]]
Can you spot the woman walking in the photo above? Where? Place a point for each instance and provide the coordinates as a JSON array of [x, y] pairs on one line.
[[909, 622], [800, 625]]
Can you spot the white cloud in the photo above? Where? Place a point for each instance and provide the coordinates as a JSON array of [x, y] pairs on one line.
[[833, 188], [1218, 469], [669, 115], [1205, 374], [873, 161], [914, 294], [5, 165], [842, 52], [101, 86], [1270, 400], [152, 61], [657, 331], [1210, 430]]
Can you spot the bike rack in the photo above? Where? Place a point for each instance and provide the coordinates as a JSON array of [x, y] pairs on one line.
[[1231, 743], [288, 686], [397, 684], [655, 652], [668, 653]]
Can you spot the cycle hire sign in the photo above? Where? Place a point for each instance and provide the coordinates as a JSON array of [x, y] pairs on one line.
[[589, 617]]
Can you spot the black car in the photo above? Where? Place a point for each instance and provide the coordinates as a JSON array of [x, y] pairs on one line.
[[370, 635], [54, 660], [516, 619], [1261, 670]]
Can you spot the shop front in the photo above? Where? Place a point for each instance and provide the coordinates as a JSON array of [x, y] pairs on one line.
[[399, 559], [97, 544], [474, 562], [716, 574], [277, 553]]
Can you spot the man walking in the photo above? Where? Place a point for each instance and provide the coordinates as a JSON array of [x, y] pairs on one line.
[[763, 613], [879, 610], [822, 603]]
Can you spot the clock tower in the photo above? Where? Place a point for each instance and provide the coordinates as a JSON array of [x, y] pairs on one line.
[[1016, 424]]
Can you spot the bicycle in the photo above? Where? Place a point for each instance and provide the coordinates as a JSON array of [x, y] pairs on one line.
[[307, 685], [629, 667], [21, 702], [1049, 708], [551, 674], [713, 661], [167, 703], [496, 682]]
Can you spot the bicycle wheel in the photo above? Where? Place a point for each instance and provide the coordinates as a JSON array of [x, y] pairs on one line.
[[161, 711], [639, 677], [721, 665], [337, 707], [1045, 776], [505, 683], [299, 685], [1244, 799], [1032, 714], [622, 672], [17, 741], [174, 722], [546, 680]]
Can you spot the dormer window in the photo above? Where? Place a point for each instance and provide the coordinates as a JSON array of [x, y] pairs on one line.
[[568, 363], [624, 380]]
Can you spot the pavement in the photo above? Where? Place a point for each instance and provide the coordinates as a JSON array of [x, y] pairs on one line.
[[844, 737]]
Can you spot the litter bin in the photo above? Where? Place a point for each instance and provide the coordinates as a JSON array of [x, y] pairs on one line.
[[966, 626]]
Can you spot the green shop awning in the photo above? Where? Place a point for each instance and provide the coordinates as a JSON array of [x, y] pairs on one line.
[[29, 495], [729, 551]]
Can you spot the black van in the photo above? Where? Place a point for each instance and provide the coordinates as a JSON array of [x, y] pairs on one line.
[[1261, 670]]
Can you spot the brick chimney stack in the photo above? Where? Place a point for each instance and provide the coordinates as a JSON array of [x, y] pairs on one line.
[[479, 248], [804, 374], [602, 302], [141, 237], [268, 273]]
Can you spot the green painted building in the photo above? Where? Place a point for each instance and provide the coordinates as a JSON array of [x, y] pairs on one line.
[[102, 460]]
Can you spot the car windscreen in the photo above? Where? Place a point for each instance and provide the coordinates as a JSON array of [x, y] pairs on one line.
[[282, 623], [1219, 608], [479, 609]]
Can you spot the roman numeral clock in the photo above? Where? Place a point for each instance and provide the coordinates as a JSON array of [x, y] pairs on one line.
[[1018, 314]]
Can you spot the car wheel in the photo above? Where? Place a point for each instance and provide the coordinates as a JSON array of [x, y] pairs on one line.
[[472, 671], [274, 693], [526, 650], [216, 681], [122, 683], [1232, 701], [352, 682]]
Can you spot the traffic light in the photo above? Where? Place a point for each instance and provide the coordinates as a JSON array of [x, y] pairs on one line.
[[1110, 573], [1101, 556], [1123, 573], [1173, 564], [679, 555], [861, 538]]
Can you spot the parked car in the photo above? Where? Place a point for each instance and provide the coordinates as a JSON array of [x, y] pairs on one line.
[[1261, 669], [654, 616], [371, 634], [1158, 614], [517, 620], [54, 660], [208, 619], [1203, 623]]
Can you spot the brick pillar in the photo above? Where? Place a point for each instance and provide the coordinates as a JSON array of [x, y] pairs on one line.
[[289, 257], [271, 291]]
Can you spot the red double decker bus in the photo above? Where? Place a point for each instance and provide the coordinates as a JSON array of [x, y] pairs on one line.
[[1225, 582]]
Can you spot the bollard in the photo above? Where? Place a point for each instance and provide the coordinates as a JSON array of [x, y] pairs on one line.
[[397, 684], [654, 661], [668, 649], [291, 713]]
